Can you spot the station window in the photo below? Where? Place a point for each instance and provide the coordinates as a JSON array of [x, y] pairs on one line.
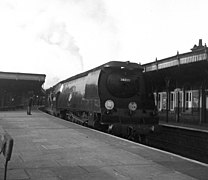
[[164, 100], [181, 99], [178, 99], [159, 101], [155, 98], [195, 100], [188, 98], [172, 97]]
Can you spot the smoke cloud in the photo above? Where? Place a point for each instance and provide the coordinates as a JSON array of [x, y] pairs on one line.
[[59, 38], [57, 35]]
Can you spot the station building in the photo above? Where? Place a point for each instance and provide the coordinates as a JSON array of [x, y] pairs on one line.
[[16, 88], [180, 85]]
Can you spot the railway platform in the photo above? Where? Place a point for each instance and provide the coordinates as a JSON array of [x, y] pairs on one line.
[[49, 148]]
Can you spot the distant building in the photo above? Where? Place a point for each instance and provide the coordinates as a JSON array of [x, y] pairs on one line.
[[180, 85]]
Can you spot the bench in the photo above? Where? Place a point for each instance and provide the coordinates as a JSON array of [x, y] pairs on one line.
[[6, 146]]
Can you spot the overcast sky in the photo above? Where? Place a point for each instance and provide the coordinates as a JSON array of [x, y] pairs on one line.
[[61, 38]]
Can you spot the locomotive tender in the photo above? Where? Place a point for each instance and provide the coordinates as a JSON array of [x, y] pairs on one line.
[[112, 96]]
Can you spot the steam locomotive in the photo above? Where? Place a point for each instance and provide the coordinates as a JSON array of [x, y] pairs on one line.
[[112, 97]]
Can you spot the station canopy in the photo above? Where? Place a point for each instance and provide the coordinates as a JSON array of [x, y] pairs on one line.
[[19, 82]]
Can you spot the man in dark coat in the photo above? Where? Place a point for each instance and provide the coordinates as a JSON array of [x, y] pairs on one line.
[[29, 107]]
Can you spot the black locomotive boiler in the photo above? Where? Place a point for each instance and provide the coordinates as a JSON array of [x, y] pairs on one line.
[[113, 97]]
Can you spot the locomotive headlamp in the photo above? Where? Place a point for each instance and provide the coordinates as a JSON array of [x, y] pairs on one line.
[[132, 106], [109, 104]]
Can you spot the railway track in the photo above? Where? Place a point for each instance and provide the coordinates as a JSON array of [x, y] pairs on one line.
[[186, 142]]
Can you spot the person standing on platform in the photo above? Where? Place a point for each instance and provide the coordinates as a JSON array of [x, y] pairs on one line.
[[29, 107]]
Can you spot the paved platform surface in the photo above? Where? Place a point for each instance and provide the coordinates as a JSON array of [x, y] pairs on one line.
[[48, 148]]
